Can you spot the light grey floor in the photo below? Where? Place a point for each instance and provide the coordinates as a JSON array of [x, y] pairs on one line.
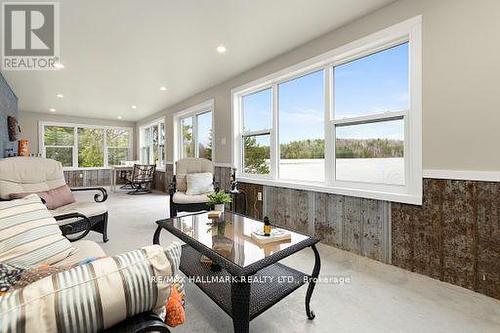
[[379, 297]]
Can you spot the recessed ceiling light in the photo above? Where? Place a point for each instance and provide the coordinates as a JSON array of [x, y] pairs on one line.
[[163, 88], [60, 95], [119, 117], [58, 65], [221, 49], [134, 107], [52, 110]]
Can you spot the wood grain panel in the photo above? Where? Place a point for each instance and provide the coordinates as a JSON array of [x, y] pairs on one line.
[[426, 222], [328, 215], [159, 181], [372, 215], [488, 239], [254, 207], [454, 236], [352, 225], [458, 233], [223, 177]]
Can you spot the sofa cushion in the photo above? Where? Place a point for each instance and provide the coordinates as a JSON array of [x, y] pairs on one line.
[[199, 183], [183, 198], [94, 296], [86, 249], [53, 198], [88, 209], [29, 175], [29, 235]]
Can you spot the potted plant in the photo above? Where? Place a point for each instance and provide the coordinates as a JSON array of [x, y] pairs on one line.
[[219, 199]]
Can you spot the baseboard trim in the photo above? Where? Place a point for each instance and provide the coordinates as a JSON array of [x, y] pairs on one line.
[[486, 176]]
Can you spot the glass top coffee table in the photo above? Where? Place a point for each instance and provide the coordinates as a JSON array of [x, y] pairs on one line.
[[242, 276]]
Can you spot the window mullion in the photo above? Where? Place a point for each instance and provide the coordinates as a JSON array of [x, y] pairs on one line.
[[194, 140], [329, 127], [274, 153], [105, 148], [376, 117], [75, 147]]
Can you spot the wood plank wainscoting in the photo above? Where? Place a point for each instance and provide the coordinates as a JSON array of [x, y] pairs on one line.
[[102, 177], [454, 236]]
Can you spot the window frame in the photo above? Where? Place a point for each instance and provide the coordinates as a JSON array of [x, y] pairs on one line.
[[42, 147], [193, 112], [411, 192], [155, 123]]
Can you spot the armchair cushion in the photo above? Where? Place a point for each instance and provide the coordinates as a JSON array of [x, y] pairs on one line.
[[190, 165], [53, 198], [29, 235], [86, 249], [88, 209], [183, 198], [199, 183], [94, 296]]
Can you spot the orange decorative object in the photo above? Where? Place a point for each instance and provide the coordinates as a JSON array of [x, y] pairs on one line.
[[23, 148], [175, 310]]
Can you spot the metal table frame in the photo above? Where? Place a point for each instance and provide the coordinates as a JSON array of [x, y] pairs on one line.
[[240, 299]]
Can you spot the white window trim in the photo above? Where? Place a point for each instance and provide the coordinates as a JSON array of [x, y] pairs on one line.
[[411, 192], [155, 122], [203, 107], [75, 126]]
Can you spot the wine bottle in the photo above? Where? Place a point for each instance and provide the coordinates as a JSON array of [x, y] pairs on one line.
[[267, 226]]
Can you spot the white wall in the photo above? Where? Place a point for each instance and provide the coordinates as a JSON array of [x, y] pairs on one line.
[[461, 71]]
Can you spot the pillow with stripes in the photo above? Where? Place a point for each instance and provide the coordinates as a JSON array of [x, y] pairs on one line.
[[95, 296], [29, 234]]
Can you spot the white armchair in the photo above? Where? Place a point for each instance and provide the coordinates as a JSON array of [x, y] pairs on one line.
[[33, 175], [179, 199]]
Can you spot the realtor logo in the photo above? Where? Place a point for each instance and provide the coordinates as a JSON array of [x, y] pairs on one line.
[[30, 35]]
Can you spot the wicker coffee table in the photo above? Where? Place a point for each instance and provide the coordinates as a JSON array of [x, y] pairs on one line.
[[245, 278]]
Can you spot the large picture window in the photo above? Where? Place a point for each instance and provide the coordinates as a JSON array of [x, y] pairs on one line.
[[347, 122], [195, 131], [152, 143], [84, 146]]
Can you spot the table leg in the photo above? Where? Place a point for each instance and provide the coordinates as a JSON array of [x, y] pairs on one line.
[[240, 303], [113, 179], [312, 282], [156, 236]]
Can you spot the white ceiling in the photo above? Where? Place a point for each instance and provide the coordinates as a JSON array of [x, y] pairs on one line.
[[118, 53]]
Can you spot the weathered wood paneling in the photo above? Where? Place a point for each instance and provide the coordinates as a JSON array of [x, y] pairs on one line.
[[254, 206], [87, 178], [373, 219], [223, 177], [454, 236], [102, 177], [328, 218], [159, 182], [488, 240], [354, 224]]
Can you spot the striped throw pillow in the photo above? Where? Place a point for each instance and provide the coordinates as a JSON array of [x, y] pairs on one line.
[[29, 234], [92, 297]]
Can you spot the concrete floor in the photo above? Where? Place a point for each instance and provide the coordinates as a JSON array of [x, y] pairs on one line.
[[379, 297]]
